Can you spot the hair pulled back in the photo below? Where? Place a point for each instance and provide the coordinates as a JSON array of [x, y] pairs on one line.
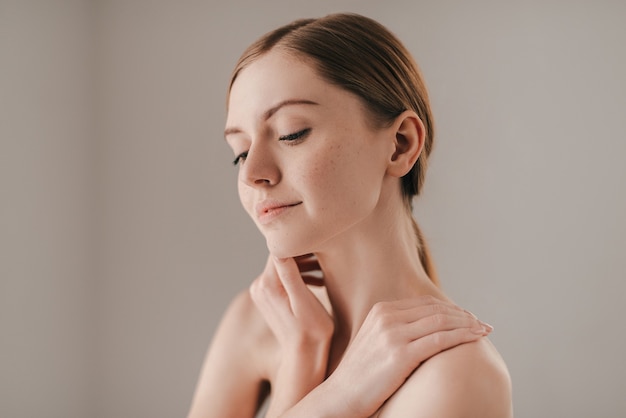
[[360, 55]]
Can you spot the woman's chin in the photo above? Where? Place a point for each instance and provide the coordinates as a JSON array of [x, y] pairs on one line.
[[284, 250]]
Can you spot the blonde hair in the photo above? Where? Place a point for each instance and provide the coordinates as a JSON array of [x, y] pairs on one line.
[[363, 57]]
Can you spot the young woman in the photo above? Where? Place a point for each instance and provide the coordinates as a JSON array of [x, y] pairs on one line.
[[331, 128]]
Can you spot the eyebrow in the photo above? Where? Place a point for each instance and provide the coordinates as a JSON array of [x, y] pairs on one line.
[[271, 111]]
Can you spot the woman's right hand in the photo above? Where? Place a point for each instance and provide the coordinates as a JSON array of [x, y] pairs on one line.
[[294, 314], [395, 338], [300, 323]]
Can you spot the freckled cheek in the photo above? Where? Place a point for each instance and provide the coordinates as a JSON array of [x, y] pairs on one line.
[[329, 178], [310, 180]]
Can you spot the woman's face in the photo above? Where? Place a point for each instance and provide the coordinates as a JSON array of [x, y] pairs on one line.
[[310, 165]]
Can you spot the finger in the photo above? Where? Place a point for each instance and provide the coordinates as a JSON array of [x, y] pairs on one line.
[[441, 323], [268, 290], [268, 282], [272, 301], [418, 313], [419, 301], [469, 313], [290, 277], [424, 348]]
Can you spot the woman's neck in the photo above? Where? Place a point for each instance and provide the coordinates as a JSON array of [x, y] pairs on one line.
[[376, 260]]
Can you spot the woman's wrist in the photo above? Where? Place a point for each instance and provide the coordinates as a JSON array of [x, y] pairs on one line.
[[327, 400], [302, 369]]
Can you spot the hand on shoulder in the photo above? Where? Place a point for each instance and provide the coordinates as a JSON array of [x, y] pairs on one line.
[[395, 338], [467, 381]]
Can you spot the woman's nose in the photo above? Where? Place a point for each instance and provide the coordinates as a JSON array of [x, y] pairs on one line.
[[259, 168]]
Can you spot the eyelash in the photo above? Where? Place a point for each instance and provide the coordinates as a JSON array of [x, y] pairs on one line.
[[295, 136], [240, 157], [292, 138]]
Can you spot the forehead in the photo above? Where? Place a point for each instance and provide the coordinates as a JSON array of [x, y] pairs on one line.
[[275, 77]]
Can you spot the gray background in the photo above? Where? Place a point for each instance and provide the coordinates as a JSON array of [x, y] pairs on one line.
[[121, 235]]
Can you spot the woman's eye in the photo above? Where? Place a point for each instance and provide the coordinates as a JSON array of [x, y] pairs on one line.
[[295, 136], [240, 158], [287, 138]]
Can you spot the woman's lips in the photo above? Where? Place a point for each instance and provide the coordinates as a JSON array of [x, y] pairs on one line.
[[268, 210]]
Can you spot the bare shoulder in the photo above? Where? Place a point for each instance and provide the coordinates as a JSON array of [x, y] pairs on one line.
[[241, 311], [467, 381], [231, 382], [243, 322]]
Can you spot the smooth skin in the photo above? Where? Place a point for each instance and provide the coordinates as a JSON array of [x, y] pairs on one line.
[[320, 180]]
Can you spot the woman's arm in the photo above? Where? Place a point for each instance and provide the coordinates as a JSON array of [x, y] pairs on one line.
[[230, 384]]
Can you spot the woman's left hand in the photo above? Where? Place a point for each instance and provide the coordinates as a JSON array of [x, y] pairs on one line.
[[300, 323]]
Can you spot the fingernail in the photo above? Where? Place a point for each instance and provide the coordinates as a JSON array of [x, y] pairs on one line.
[[488, 327]]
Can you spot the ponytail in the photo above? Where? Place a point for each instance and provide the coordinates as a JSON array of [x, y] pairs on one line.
[[424, 254]]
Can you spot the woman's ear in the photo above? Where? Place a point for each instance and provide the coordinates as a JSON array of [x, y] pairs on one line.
[[410, 135]]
